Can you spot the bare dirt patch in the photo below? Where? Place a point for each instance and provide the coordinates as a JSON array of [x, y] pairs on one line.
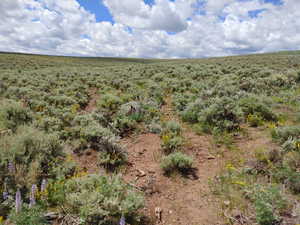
[[182, 200], [92, 105], [87, 161]]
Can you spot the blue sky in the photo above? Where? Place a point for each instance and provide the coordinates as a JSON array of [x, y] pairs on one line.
[[102, 13], [98, 8], [149, 28]]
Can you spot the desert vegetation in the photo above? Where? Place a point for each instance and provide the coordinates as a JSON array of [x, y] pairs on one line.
[[67, 127]]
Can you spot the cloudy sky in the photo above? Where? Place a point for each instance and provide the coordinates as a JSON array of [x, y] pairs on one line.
[[149, 28]]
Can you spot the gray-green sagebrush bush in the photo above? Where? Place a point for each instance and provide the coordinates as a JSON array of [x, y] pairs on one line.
[[254, 106], [13, 114], [176, 162], [32, 216], [282, 134], [100, 199], [269, 204], [27, 156], [223, 114], [171, 136]]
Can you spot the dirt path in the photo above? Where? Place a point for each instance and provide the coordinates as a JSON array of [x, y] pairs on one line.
[[87, 160], [185, 201], [92, 105]]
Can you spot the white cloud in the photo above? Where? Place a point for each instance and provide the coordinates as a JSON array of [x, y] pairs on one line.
[[217, 28], [163, 15]]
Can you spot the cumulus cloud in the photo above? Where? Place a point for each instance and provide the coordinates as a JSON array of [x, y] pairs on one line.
[[163, 15], [164, 29]]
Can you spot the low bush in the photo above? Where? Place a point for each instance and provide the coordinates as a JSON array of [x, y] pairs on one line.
[[13, 114], [171, 143], [255, 120], [291, 144], [192, 111], [109, 102], [100, 199], [155, 127], [269, 204], [171, 128], [282, 134], [28, 156], [255, 107], [32, 216], [176, 162], [223, 115], [112, 157], [95, 136], [124, 124]]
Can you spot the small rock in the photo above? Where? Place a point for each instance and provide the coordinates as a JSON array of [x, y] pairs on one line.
[[151, 171], [51, 215], [170, 212], [141, 173], [227, 202], [158, 212], [210, 157]]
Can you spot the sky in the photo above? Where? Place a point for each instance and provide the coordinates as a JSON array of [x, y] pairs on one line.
[[149, 28]]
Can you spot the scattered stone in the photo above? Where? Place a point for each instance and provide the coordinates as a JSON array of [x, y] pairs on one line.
[[151, 171], [158, 212], [226, 202], [141, 173], [51, 216], [210, 157]]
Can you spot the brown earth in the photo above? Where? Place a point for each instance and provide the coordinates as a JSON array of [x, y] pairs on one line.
[[92, 105], [183, 200]]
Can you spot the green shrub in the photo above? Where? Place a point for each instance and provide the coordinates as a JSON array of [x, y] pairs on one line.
[[171, 143], [33, 154], [255, 120], [112, 157], [254, 106], [13, 114], [155, 128], [132, 109], [176, 162], [294, 182], [291, 144], [268, 205], [110, 102], [32, 216], [124, 124], [192, 111], [98, 198], [222, 115], [96, 137], [282, 134], [171, 128]]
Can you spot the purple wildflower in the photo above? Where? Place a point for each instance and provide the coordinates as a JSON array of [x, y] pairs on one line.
[[11, 168], [18, 201], [5, 195], [122, 221], [32, 195], [43, 185]]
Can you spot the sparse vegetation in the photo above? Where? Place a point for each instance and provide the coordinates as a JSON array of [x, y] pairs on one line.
[[176, 162], [63, 117]]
